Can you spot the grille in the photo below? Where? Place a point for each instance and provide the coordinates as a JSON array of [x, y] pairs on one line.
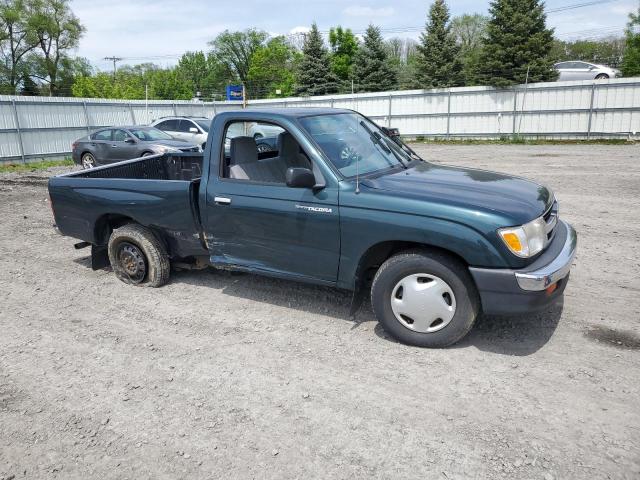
[[551, 219]]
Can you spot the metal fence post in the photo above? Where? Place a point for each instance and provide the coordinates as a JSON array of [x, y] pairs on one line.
[[448, 114], [515, 109], [593, 91], [17, 121], [389, 112], [175, 110], [133, 115], [86, 116]]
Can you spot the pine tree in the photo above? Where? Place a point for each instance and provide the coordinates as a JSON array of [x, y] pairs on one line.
[[517, 40], [631, 60], [314, 70], [373, 70], [29, 88], [439, 60]]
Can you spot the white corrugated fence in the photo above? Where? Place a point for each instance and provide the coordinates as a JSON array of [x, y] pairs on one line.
[[45, 127]]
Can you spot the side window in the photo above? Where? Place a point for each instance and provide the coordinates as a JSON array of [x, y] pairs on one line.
[[104, 135], [120, 135], [185, 125], [168, 126], [261, 152]]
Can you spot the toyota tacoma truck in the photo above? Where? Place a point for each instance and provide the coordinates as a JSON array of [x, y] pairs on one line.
[[337, 202]]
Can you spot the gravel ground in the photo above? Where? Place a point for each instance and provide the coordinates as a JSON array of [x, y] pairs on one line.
[[238, 376]]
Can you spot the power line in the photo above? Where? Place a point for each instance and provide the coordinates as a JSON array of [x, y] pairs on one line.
[[115, 60]]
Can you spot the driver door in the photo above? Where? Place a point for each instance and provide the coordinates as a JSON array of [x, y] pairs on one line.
[[264, 225]]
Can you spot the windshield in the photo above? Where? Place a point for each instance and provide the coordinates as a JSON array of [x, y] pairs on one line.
[[203, 124], [345, 138], [150, 134]]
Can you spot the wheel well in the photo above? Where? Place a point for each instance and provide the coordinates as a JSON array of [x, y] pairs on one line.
[[107, 224], [376, 255]]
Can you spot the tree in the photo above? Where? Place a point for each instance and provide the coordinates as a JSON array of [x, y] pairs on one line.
[[344, 46], [314, 74], [29, 88], [469, 31], [518, 41], [608, 51], [631, 60], [439, 62], [372, 69], [57, 30], [16, 41], [235, 50], [402, 57], [194, 69], [272, 69]]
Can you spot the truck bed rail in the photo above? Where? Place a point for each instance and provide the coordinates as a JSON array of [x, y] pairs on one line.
[[179, 166]]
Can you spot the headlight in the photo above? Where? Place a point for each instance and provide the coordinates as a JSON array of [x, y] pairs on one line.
[[167, 149], [527, 240]]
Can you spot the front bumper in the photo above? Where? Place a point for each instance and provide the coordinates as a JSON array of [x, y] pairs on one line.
[[506, 291]]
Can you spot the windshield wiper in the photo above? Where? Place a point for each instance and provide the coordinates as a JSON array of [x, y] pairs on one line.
[[376, 138]]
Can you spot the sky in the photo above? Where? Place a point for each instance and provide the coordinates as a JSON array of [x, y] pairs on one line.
[[161, 30]]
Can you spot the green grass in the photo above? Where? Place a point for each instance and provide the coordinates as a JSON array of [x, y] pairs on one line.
[[32, 167], [518, 140]]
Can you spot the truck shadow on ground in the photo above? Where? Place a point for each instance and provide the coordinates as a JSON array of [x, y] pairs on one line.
[[509, 335]]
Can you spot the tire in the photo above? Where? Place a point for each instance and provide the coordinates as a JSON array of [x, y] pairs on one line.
[[88, 161], [602, 76], [146, 154], [138, 257], [449, 282]]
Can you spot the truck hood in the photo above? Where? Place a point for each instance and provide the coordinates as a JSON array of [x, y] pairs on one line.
[[516, 199]]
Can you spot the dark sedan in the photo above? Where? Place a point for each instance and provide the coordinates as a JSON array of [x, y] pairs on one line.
[[115, 144]]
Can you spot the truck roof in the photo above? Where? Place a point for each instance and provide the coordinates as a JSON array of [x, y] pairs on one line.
[[292, 112]]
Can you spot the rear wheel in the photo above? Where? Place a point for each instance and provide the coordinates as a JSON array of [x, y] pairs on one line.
[[424, 298], [138, 257], [88, 161]]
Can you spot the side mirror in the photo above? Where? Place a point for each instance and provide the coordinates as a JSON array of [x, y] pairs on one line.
[[300, 178], [391, 132], [193, 130], [129, 140]]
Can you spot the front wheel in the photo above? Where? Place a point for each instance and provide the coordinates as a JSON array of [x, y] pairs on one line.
[[88, 161], [138, 257], [425, 298], [602, 76]]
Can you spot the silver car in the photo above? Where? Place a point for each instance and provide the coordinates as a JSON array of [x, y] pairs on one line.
[[584, 71], [192, 129]]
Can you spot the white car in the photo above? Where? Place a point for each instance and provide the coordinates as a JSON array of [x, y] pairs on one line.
[[192, 129], [584, 71], [263, 130]]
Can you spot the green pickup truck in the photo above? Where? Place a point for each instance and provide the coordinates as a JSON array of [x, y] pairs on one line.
[[333, 200]]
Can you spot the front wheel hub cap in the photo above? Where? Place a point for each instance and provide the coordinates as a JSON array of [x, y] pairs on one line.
[[423, 303]]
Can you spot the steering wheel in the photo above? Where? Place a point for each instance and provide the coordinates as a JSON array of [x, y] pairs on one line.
[[263, 147]]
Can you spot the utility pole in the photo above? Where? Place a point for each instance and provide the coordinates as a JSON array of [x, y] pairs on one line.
[[114, 60]]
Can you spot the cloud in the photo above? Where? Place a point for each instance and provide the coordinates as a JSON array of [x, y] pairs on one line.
[[301, 29], [359, 11]]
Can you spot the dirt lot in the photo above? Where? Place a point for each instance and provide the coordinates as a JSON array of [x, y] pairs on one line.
[[221, 376]]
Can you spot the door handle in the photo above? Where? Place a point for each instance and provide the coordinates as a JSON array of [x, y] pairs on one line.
[[222, 200]]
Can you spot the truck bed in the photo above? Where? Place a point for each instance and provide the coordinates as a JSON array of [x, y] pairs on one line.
[[159, 191]]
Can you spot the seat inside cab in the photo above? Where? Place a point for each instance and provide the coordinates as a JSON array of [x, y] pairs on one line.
[[246, 160]]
